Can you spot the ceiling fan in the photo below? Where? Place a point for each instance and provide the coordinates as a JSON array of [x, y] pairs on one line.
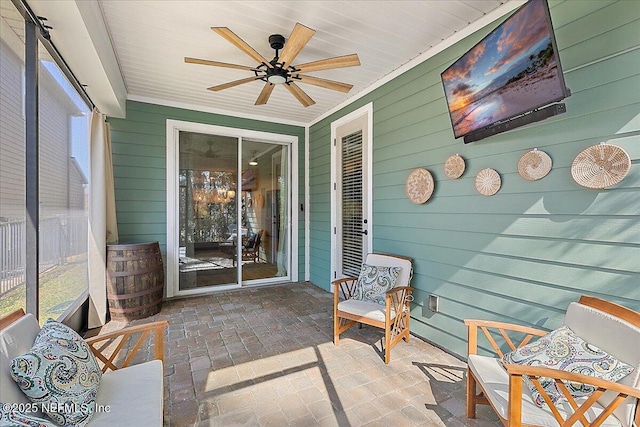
[[280, 70], [209, 153]]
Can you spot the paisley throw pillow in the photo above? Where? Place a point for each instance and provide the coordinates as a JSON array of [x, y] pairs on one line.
[[60, 374], [563, 349], [374, 282]]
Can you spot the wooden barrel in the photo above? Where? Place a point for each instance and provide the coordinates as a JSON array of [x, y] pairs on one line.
[[135, 280]]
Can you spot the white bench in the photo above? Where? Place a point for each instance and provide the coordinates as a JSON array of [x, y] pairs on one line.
[[128, 395]]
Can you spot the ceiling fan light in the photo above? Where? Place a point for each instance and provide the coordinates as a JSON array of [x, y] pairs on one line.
[[253, 162], [276, 79]]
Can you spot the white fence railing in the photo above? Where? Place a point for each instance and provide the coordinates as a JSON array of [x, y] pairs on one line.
[[61, 238]]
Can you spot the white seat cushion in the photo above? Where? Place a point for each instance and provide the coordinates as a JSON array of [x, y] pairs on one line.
[[495, 381], [15, 340], [367, 309], [617, 337], [133, 395]]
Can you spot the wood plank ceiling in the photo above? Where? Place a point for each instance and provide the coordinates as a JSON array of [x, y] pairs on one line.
[[151, 39]]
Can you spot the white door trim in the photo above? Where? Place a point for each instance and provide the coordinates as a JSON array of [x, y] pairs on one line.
[[307, 210], [173, 127], [364, 111]]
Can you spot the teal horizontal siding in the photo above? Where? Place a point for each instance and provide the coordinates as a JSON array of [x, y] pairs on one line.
[[139, 158], [523, 254]]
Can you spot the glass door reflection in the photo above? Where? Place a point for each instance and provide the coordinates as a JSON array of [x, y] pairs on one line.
[[265, 210], [233, 214], [208, 213]]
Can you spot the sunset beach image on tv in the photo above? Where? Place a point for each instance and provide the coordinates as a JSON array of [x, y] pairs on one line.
[[510, 72]]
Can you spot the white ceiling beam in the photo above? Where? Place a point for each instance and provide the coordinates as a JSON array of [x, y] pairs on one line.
[[81, 37]]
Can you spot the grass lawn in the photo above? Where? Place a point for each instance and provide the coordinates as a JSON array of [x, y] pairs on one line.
[[59, 288]]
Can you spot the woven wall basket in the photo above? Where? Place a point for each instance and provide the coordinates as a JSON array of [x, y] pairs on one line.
[[600, 166], [454, 166], [488, 182], [534, 165], [419, 186]]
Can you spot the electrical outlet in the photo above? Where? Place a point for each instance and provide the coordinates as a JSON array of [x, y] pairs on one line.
[[434, 303]]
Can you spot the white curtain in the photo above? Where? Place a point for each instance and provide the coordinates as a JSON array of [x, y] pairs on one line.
[[103, 227]]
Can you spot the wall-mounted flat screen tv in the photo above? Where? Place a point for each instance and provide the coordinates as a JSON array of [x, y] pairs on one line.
[[513, 71]]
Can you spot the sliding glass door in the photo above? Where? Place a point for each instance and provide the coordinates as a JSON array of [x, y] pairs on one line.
[[233, 211], [265, 211], [208, 209]]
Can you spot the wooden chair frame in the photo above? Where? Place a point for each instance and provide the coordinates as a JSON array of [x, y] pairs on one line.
[[248, 254], [253, 253], [534, 373], [101, 345], [397, 300]]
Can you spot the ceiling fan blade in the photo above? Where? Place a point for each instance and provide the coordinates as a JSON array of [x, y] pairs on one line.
[[241, 44], [233, 83], [327, 84], [265, 94], [330, 63], [299, 37], [216, 64], [299, 94]]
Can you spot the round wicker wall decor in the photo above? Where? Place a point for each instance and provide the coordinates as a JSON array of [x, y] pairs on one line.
[[454, 166], [534, 165], [419, 186], [488, 182], [600, 166]]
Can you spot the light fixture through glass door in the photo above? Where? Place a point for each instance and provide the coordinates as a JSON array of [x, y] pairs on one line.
[[254, 159]]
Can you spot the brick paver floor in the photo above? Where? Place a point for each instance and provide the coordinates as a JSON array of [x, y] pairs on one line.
[[265, 357]]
